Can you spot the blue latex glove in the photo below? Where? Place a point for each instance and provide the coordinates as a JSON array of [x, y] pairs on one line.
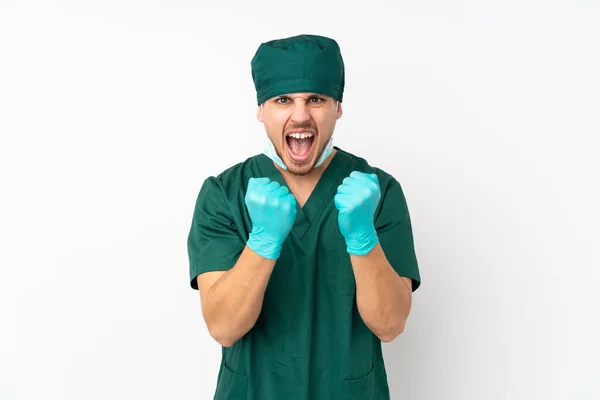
[[356, 199], [272, 209]]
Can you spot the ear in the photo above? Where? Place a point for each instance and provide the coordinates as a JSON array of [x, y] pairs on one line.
[[259, 113], [339, 110]]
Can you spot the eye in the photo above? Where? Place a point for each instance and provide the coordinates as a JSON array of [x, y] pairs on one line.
[[282, 100], [316, 100]]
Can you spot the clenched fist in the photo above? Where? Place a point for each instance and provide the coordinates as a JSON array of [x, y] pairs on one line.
[[356, 199], [272, 209]]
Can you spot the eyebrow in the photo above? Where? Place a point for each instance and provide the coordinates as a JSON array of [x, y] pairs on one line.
[[308, 96]]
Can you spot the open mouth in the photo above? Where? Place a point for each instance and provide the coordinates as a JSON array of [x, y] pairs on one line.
[[300, 145]]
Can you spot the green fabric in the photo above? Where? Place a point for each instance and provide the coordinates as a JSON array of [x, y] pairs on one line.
[[303, 63], [309, 342]]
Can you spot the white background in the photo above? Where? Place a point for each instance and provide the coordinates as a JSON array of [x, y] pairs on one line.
[[112, 113]]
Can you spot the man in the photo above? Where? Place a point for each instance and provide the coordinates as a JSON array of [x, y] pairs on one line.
[[303, 255]]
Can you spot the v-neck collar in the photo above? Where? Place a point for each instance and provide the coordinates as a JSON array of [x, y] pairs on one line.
[[326, 186]]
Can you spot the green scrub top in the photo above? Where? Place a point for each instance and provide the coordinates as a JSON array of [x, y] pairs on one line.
[[309, 342]]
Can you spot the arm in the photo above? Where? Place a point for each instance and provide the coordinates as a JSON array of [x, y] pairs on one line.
[[381, 251], [382, 296], [231, 301], [231, 273]]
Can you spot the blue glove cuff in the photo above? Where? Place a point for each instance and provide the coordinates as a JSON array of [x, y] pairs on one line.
[[362, 245], [263, 246]]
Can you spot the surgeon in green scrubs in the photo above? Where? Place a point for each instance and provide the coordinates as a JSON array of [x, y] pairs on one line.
[[303, 254]]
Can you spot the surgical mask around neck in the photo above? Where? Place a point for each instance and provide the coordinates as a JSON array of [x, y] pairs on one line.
[[270, 152], [326, 152]]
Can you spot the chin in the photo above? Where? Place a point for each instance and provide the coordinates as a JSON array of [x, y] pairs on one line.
[[299, 169]]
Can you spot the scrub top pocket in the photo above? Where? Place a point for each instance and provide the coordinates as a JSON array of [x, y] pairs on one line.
[[361, 388], [231, 386]]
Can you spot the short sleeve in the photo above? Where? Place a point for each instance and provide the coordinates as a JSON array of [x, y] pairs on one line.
[[394, 230], [213, 241]]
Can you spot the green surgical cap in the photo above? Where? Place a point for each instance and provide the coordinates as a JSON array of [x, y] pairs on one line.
[[303, 63]]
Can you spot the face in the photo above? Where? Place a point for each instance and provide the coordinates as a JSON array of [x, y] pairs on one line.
[[300, 125]]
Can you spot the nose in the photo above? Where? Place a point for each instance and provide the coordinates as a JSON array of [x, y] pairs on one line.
[[300, 112]]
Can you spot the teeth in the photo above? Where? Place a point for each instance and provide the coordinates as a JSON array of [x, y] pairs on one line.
[[301, 135]]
